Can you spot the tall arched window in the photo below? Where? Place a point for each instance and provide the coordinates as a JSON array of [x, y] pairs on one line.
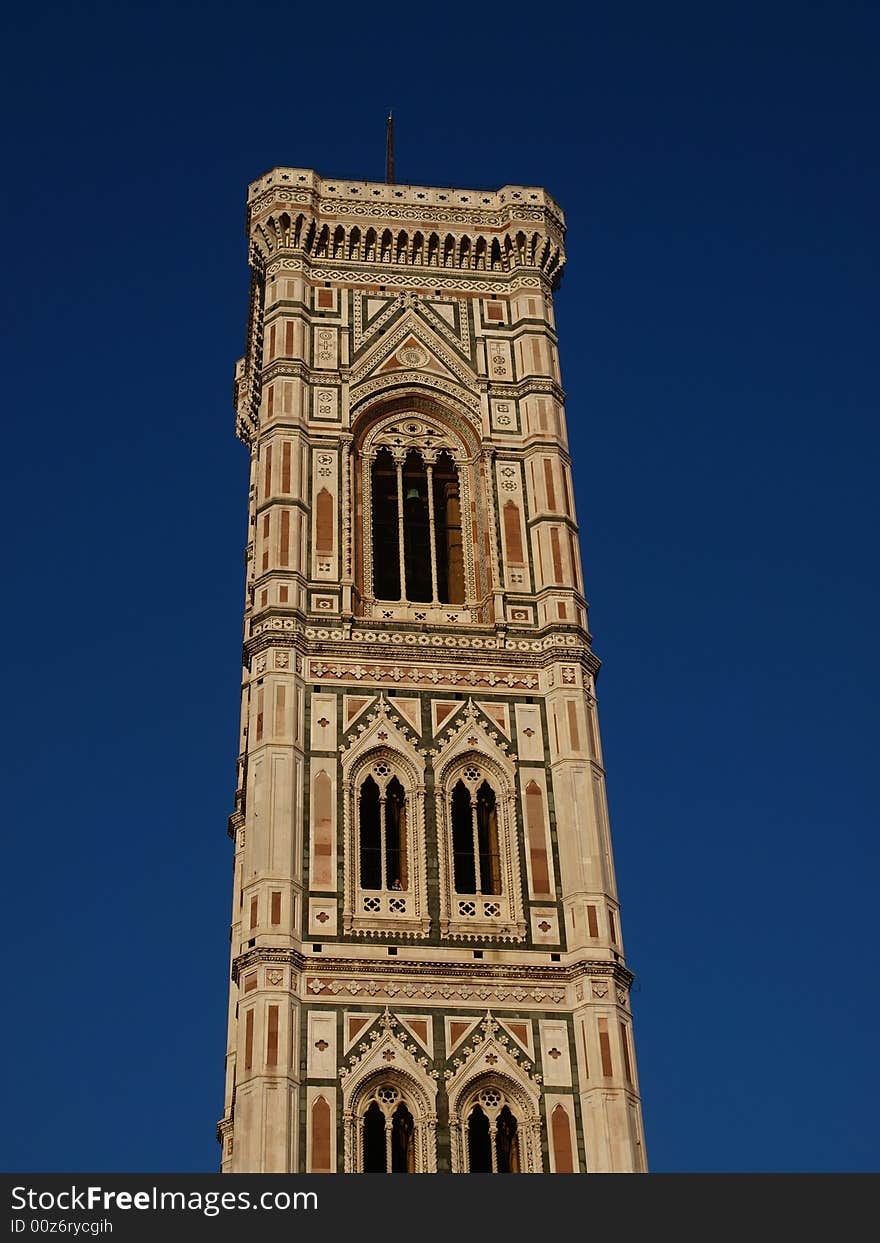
[[383, 840], [384, 877], [492, 1134], [476, 857], [388, 1134], [417, 531], [386, 562], [448, 549], [418, 554], [480, 886]]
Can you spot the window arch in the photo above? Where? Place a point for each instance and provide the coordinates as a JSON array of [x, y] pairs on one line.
[[384, 850], [476, 859], [388, 1134], [496, 1128], [480, 892], [384, 874], [390, 1125], [493, 1141], [415, 490], [383, 837]]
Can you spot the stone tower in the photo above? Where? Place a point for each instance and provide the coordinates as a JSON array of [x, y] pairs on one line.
[[427, 968]]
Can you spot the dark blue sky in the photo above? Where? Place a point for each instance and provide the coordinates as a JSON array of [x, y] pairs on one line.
[[718, 168]]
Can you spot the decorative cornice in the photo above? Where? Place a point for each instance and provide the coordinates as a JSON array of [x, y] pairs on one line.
[[351, 965], [338, 195]]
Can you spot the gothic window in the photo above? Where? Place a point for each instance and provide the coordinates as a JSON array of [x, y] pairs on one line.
[[383, 843], [392, 1128], [416, 529], [492, 1135], [477, 868], [481, 892], [388, 1134], [386, 565], [383, 857]]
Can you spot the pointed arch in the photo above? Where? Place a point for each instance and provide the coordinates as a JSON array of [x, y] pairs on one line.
[[384, 863], [390, 1116], [560, 1135], [480, 886], [507, 1137], [323, 867], [321, 1159], [325, 515]]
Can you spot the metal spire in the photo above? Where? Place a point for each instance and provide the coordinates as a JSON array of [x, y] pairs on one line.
[[389, 150]]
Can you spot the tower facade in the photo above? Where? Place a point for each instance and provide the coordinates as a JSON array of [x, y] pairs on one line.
[[427, 969]]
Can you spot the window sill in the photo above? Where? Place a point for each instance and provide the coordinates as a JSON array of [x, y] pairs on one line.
[[430, 614]]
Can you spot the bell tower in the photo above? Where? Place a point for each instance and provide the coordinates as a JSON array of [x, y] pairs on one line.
[[427, 969]]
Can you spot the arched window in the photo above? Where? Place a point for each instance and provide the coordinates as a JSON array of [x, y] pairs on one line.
[[388, 1133], [416, 530], [383, 839], [476, 857], [386, 566], [418, 553], [448, 549], [492, 1134], [384, 877], [480, 886]]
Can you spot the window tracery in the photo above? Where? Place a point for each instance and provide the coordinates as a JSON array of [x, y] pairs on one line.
[[415, 487], [495, 1127], [384, 862], [388, 1133], [390, 1120], [493, 1140], [479, 861]]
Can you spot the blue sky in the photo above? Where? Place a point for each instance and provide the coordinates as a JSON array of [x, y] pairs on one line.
[[718, 321]]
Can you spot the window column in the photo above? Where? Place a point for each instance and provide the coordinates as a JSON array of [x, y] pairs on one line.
[[429, 468], [401, 551]]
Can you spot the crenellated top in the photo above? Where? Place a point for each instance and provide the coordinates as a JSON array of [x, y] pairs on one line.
[[367, 222]]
